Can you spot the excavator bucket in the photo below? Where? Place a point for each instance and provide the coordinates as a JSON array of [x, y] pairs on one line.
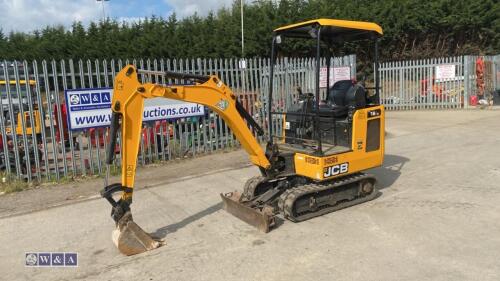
[[261, 219], [131, 239]]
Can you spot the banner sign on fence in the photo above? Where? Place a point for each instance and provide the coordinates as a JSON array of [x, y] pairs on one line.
[[445, 71], [336, 74], [91, 108]]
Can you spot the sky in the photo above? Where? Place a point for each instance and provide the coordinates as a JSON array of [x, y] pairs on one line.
[[28, 15]]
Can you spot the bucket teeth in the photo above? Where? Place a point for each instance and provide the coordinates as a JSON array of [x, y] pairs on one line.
[[131, 239], [262, 220]]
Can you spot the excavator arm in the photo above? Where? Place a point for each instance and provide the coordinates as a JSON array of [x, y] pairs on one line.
[[128, 103], [127, 112]]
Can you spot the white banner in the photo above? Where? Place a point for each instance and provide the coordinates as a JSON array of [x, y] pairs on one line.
[[445, 71], [336, 74], [91, 108]]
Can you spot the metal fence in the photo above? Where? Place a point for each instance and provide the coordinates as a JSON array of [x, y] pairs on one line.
[[415, 84], [36, 145]]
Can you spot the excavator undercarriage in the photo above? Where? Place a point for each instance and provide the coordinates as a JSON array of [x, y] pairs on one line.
[[297, 200]]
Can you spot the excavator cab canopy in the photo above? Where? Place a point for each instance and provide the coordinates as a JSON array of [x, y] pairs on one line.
[[332, 29], [328, 34]]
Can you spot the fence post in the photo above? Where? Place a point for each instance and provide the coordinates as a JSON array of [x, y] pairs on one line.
[[466, 81], [432, 64], [496, 61], [401, 101], [352, 65]]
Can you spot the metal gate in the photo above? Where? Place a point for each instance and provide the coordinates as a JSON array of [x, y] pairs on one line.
[[35, 143], [438, 83]]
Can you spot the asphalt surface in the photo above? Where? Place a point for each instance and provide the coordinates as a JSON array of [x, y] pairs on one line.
[[438, 218]]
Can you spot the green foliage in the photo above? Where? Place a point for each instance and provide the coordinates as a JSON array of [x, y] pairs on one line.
[[10, 183], [412, 29]]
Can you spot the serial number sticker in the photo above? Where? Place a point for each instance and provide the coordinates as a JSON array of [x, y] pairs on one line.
[[331, 160], [311, 160]]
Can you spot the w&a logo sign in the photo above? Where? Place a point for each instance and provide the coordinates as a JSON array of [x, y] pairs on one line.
[[51, 259]]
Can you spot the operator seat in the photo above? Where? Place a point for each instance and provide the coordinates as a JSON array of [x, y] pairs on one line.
[[344, 96], [336, 100], [338, 92], [356, 97]]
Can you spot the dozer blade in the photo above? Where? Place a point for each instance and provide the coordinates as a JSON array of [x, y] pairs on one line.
[[131, 239], [262, 220]]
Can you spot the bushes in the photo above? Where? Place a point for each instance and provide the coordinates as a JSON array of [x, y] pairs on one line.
[[413, 29]]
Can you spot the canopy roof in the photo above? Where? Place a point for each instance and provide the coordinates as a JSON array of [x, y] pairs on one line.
[[333, 29]]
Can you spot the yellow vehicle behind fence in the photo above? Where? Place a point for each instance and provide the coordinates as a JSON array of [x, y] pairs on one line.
[[28, 124], [16, 101]]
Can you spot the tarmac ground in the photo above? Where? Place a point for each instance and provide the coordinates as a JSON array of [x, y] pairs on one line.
[[437, 218]]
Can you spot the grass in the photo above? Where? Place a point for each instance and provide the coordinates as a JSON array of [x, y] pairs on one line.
[[10, 183]]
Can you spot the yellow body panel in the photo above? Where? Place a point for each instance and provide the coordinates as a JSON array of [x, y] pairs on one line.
[[369, 26], [358, 159]]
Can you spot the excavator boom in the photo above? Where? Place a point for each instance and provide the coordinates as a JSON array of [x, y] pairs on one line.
[[127, 112], [128, 102]]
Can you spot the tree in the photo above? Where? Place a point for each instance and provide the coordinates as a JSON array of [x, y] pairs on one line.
[[412, 29]]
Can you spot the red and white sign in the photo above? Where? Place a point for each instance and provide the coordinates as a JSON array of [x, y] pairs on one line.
[[445, 71], [336, 74]]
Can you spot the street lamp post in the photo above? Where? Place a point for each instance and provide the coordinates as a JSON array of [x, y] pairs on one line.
[[103, 13], [242, 31], [242, 62]]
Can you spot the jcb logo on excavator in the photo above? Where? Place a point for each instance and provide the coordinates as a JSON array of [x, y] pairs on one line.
[[336, 170]]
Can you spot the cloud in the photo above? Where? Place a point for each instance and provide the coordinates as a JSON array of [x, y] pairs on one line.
[[28, 15], [184, 8], [131, 20]]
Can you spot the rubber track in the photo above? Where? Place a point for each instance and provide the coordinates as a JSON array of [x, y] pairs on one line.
[[250, 186], [288, 198]]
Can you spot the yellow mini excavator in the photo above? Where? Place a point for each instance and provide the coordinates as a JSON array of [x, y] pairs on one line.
[[311, 167]]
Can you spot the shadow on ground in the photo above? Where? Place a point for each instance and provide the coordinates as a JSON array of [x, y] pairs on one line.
[[386, 176], [162, 232], [390, 170]]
